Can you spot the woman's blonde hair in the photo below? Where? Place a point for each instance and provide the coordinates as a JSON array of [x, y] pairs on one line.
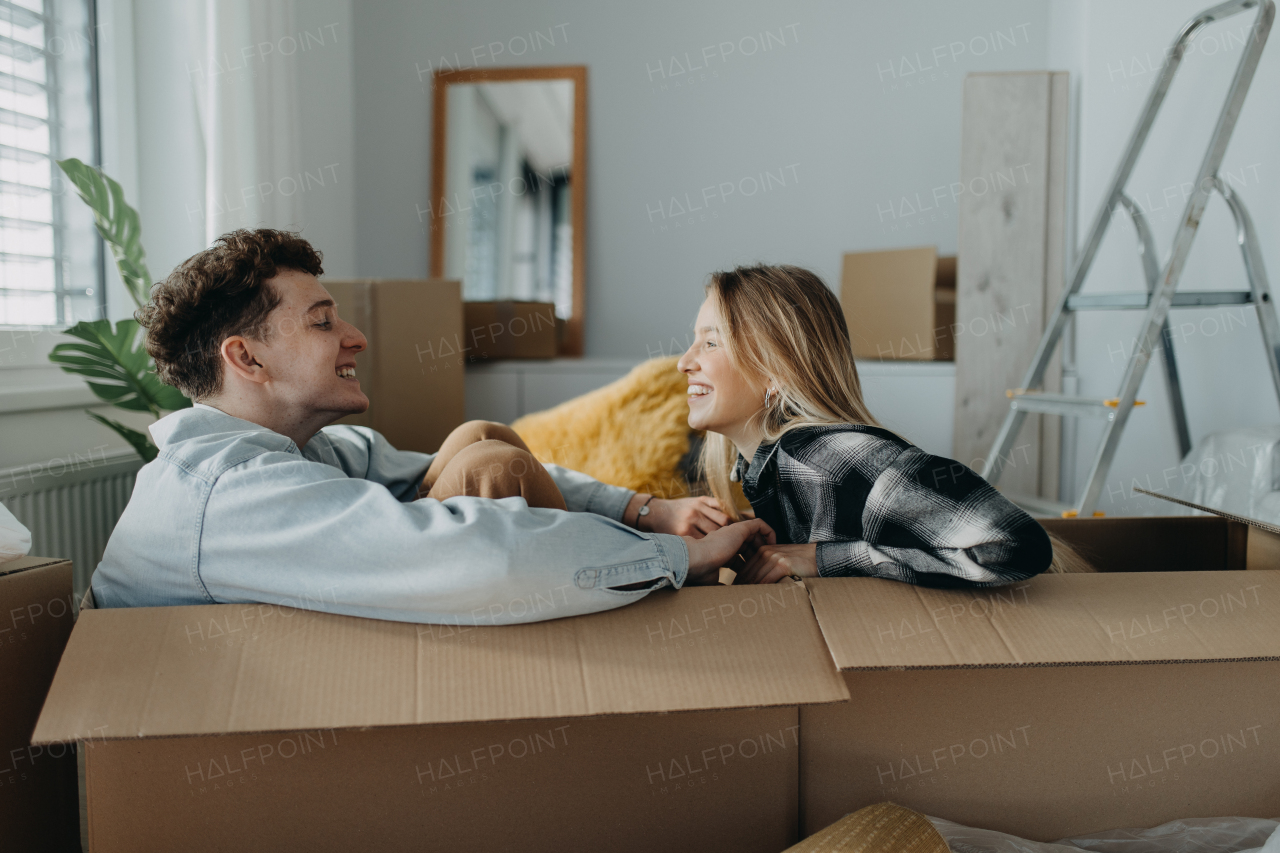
[[784, 329], [799, 347]]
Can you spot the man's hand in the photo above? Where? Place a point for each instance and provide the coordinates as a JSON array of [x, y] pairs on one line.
[[771, 563], [694, 517], [708, 553]]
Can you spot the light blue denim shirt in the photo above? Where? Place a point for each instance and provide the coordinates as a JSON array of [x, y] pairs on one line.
[[231, 512]]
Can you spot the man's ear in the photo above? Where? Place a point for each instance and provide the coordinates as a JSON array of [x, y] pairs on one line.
[[238, 358]]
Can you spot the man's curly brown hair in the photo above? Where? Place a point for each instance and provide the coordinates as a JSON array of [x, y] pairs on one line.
[[214, 295]]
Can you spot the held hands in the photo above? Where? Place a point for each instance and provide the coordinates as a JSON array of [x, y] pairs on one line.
[[748, 547], [721, 547], [771, 563]]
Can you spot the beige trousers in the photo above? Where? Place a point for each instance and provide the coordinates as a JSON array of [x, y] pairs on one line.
[[488, 460]]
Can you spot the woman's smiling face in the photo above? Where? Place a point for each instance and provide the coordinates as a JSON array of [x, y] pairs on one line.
[[721, 398]]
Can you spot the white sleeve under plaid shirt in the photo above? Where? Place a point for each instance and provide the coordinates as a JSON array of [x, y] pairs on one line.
[[878, 506]]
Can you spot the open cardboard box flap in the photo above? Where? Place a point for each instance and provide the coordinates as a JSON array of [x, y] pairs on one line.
[[1050, 620], [219, 669]]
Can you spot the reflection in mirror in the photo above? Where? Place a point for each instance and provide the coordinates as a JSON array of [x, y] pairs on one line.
[[510, 160]]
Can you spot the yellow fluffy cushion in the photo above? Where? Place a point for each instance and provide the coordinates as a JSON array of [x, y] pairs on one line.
[[631, 433]]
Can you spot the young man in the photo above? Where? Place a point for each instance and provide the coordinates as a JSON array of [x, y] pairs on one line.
[[255, 498]]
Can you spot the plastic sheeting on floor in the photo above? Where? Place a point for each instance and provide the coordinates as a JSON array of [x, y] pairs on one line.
[[1192, 835]]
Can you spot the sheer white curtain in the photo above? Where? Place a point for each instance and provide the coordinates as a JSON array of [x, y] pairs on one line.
[[246, 97]]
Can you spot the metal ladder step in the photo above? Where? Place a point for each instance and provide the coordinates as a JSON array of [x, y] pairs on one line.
[[1184, 299], [1063, 404], [1045, 507]]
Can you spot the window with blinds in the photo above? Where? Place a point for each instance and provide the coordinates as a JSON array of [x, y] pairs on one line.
[[50, 255]]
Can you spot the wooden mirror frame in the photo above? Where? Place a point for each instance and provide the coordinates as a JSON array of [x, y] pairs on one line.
[[572, 342]]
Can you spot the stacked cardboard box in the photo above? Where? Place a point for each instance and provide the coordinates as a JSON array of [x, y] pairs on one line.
[[511, 329], [900, 304], [38, 807], [710, 718], [412, 371]]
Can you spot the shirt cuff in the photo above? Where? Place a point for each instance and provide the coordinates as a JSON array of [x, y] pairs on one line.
[[844, 559], [675, 554], [669, 567]]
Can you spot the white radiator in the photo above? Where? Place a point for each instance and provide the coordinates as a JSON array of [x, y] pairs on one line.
[[71, 505]]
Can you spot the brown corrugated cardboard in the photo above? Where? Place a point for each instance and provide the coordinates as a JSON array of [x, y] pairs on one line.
[[1159, 544], [362, 702], [900, 304], [38, 809], [510, 329], [1263, 548], [412, 371], [1005, 708], [1058, 706]]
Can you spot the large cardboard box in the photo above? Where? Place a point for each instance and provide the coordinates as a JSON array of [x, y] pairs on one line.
[[413, 369], [1064, 705], [38, 804], [710, 718], [511, 329], [900, 304], [229, 727]]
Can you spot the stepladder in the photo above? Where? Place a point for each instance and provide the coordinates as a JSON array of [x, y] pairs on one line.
[[1160, 291]]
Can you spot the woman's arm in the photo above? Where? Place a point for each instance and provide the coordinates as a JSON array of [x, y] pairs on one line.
[[932, 521]]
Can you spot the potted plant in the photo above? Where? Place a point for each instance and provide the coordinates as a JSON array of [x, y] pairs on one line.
[[113, 361]]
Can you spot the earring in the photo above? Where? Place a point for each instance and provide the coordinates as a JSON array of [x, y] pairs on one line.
[[766, 397]]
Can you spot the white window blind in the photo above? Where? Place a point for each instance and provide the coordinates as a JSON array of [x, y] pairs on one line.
[[50, 255]]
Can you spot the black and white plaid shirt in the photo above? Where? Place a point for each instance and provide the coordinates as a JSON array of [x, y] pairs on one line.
[[878, 506]]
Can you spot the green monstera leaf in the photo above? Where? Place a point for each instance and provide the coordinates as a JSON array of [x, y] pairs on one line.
[[138, 440], [112, 360], [116, 367], [117, 223]]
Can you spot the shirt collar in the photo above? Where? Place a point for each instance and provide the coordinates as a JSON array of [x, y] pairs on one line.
[[749, 476], [200, 420]]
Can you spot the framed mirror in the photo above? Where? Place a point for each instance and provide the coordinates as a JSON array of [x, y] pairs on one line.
[[508, 158]]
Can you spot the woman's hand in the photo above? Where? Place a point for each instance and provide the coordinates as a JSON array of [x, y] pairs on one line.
[[707, 554], [694, 517], [771, 563]]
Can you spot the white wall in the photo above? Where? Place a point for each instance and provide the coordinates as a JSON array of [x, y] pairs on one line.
[[850, 137], [829, 101], [1224, 375]]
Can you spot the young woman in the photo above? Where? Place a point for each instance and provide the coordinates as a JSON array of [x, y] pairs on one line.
[[773, 383]]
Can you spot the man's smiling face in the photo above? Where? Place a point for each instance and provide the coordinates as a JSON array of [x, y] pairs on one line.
[[310, 352]]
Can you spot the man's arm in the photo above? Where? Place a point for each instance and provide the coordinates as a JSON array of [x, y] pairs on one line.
[[362, 452], [301, 534]]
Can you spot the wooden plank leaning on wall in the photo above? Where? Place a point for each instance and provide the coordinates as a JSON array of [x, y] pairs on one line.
[[1013, 159]]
